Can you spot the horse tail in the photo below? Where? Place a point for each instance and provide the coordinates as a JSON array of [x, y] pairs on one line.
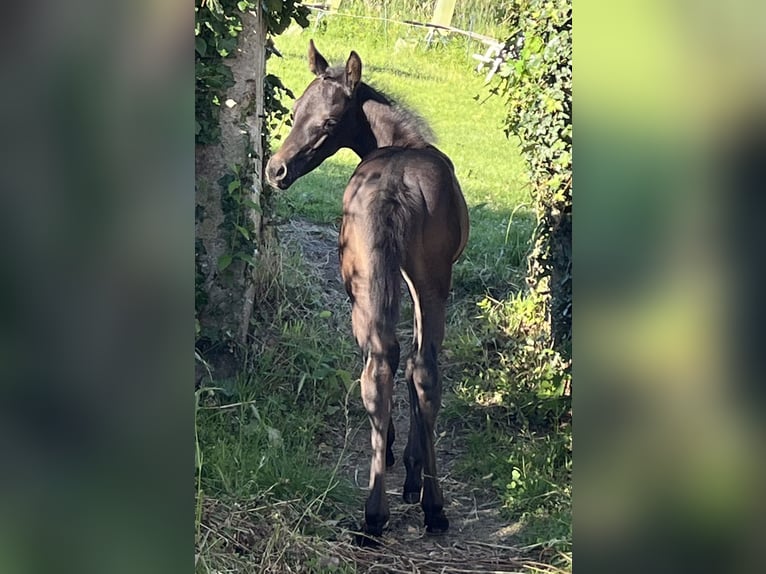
[[388, 240]]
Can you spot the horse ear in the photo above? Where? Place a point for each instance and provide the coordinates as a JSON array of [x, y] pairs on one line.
[[353, 71], [317, 63]]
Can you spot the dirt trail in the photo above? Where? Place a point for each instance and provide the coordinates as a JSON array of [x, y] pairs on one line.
[[479, 539]]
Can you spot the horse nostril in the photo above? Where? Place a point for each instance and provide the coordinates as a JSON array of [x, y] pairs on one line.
[[276, 171], [281, 172]]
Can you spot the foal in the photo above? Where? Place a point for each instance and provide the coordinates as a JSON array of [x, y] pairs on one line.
[[403, 215]]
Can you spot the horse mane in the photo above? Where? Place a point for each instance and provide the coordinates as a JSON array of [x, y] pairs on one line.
[[407, 121]]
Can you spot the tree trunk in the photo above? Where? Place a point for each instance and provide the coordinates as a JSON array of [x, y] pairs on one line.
[[225, 313]]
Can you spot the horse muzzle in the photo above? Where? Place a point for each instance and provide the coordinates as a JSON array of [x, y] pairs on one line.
[[277, 174]]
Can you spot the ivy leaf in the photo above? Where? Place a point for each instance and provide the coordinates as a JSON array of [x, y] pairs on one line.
[[224, 261], [200, 46], [247, 202], [243, 231], [246, 257]]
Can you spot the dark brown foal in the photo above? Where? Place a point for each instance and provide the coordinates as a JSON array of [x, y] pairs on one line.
[[404, 215]]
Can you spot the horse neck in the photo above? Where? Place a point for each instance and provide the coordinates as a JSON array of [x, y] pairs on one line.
[[383, 126]]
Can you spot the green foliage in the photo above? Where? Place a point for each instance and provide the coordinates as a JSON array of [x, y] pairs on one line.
[[280, 13], [510, 395], [537, 88], [522, 344], [512, 363], [217, 26], [264, 444], [212, 82], [265, 432], [236, 202]]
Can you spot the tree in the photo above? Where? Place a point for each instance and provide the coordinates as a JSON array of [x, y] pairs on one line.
[[232, 91]]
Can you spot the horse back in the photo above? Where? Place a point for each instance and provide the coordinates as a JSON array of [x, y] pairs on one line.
[[420, 186]]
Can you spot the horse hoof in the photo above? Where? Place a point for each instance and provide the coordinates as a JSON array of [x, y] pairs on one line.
[[373, 525], [371, 530], [436, 523], [364, 540], [411, 497]]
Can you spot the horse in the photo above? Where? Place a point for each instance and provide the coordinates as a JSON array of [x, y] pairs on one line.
[[404, 215]]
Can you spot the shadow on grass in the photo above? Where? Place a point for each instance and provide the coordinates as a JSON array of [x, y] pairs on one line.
[[494, 261]]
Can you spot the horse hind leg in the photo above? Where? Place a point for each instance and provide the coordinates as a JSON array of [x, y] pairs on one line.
[[377, 389], [413, 452], [425, 388], [377, 382], [392, 358], [424, 374]]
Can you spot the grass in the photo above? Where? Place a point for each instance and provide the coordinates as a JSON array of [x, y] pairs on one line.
[[271, 496], [534, 462]]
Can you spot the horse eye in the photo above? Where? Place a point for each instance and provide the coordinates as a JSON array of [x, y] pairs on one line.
[[330, 123]]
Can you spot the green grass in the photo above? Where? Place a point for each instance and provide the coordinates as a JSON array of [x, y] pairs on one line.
[[259, 432], [264, 445], [531, 473]]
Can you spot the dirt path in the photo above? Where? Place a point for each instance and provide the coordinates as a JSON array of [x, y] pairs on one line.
[[479, 539]]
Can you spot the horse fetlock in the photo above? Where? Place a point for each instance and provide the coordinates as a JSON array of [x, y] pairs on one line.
[[434, 518], [413, 484], [410, 496], [414, 466], [366, 540]]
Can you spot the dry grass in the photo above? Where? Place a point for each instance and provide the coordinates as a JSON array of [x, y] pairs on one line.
[[266, 537]]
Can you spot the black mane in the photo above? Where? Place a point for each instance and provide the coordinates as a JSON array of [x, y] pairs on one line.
[[407, 120]]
